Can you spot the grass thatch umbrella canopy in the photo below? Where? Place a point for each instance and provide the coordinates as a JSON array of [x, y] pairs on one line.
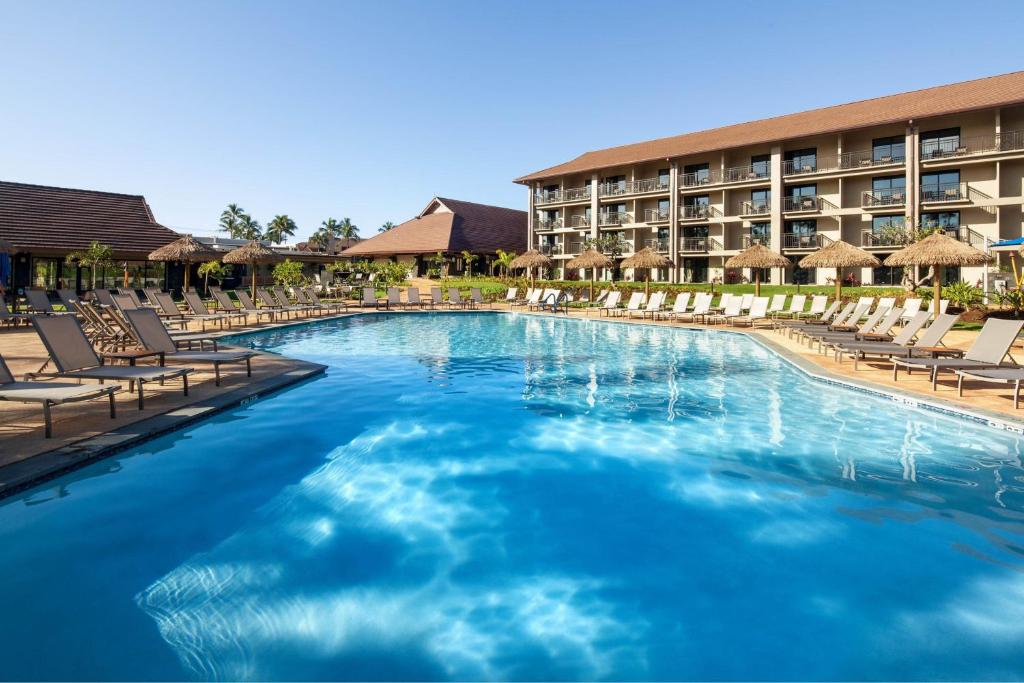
[[591, 259], [252, 254], [938, 250], [840, 255], [530, 260], [188, 250], [758, 256], [646, 258]]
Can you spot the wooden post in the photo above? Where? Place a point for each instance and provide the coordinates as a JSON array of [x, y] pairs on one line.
[[938, 289], [757, 282], [839, 289], [647, 284], [186, 278], [252, 266]]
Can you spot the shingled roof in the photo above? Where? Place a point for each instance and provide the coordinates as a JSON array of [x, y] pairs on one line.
[[57, 220], [983, 93], [450, 225]]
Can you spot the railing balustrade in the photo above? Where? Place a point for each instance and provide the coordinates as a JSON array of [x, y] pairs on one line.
[[883, 197]]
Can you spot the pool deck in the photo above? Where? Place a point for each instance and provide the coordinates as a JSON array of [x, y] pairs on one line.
[[83, 432]]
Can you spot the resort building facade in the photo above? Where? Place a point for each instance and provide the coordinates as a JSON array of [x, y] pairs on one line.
[[449, 227], [868, 173]]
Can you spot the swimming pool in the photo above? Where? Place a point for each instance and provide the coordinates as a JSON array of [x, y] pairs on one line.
[[488, 496]]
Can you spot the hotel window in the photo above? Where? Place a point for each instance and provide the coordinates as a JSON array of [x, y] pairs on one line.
[[889, 189], [695, 269], [664, 178], [761, 165], [615, 184], [942, 186], [801, 197], [802, 160], [613, 213], [45, 272], [664, 206], [761, 232], [696, 206], [760, 201], [800, 234], [697, 174], [889, 150], [940, 143], [888, 230], [947, 220], [890, 276], [695, 231]]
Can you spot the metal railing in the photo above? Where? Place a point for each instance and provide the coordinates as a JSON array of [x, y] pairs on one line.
[[699, 178], [802, 203], [659, 184], [575, 194], [839, 162], [549, 223], [750, 240], [550, 249], [889, 197], [580, 221], [656, 243], [755, 208], [742, 173], [614, 218], [692, 212], [699, 244], [547, 196], [656, 215], [811, 241], [899, 237], [573, 248], [945, 192], [1006, 141]]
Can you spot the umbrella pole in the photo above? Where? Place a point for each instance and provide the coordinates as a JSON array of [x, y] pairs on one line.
[[647, 285], [757, 282], [839, 289], [186, 278], [1016, 273], [592, 284], [938, 289], [254, 280]]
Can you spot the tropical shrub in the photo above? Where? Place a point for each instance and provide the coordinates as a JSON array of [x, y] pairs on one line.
[[288, 273], [962, 295], [390, 273]]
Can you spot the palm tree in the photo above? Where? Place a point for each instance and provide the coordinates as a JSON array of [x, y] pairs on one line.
[[280, 228], [467, 262], [231, 219], [248, 228], [387, 226], [348, 229], [504, 260]]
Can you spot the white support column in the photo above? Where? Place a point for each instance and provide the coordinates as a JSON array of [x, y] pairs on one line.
[[913, 208], [531, 215], [776, 209], [675, 271], [594, 206]]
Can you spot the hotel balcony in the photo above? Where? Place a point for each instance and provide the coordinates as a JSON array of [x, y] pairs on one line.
[[1008, 141], [656, 243], [614, 218], [950, 193], [697, 212], [742, 174], [644, 186], [882, 199], [755, 208], [550, 249], [656, 215], [572, 194], [699, 245], [847, 161], [805, 242], [804, 204], [750, 240], [549, 224], [547, 197], [579, 221], [898, 237], [700, 178]]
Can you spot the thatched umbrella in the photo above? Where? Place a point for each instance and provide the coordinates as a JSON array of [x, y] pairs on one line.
[[188, 250], [840, 255], [252, 254], [530, 260], [938, 250], [591, 259], [646, 258], [758, 256]]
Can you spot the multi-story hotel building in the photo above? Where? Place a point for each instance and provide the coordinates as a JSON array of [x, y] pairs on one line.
[[864, 172]]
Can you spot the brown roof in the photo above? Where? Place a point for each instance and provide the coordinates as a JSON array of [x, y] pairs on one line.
[[479, 228], [58, 220], [994, 91]]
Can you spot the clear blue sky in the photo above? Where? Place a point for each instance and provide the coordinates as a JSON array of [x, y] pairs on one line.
[[368, 109]]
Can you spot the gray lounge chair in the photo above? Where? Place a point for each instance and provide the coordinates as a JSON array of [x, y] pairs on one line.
[[67, 297], [249, 306], [1012, 376], [153, 336], [455, 299], [202, 313], [12, 319], [987, 351], [268, 301], [412, 298], [49, 394], [875, 328], [103, 296], [300, 307], [330, 306], [395, 298], [39, 302], [476, 298], [370, 299], [436, 297], [73, 356], [900, 344]]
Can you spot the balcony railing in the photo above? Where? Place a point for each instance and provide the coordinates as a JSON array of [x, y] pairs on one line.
[[659, 184], [811, 241], [573, 248], [945, 192], [750, 240], [549, 223], [699, 244], [550, 249], [890, 197], [614, 218], [656, 243], [1007, 141], [575, 194], [656, 215], [743, 173], [580, 221], [898, 236], [694, 212], [802, 203], [759, 207], [699, 178], [547, 196], [838, 162]]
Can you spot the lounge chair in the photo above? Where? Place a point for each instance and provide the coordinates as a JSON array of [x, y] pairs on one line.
[[885, 303], [249, 306], [103, 297], [67, 297], [611, 303], [101, 332], [757, 312], [331, 306], [876, 328], [798, 329], [73, 357], [679, 306], [733, 309], [303, 299], [132, 294], [12, 319], [455, 299], [477, 297], [636, 300], [746, 301], [395, 298], [124, 303], [436, 297], [510, 295], [823, 317], [412, 298], [268, 301], [987, 351], [818, 307], [777, 305], [796, 307], [1012, 376], [546, 297], [901, 344], [532, 297], [153, 336], [40, 304], [911, 308], [653, 307], [370, 299], [701, 309], [49, 394], [167, 307], [224, 302], [286, 303], [201, 313]]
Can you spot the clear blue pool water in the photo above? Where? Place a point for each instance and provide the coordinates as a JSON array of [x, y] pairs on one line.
[[512, 497]]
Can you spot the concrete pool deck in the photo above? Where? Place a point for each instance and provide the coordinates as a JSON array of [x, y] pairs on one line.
[[84, 432]]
